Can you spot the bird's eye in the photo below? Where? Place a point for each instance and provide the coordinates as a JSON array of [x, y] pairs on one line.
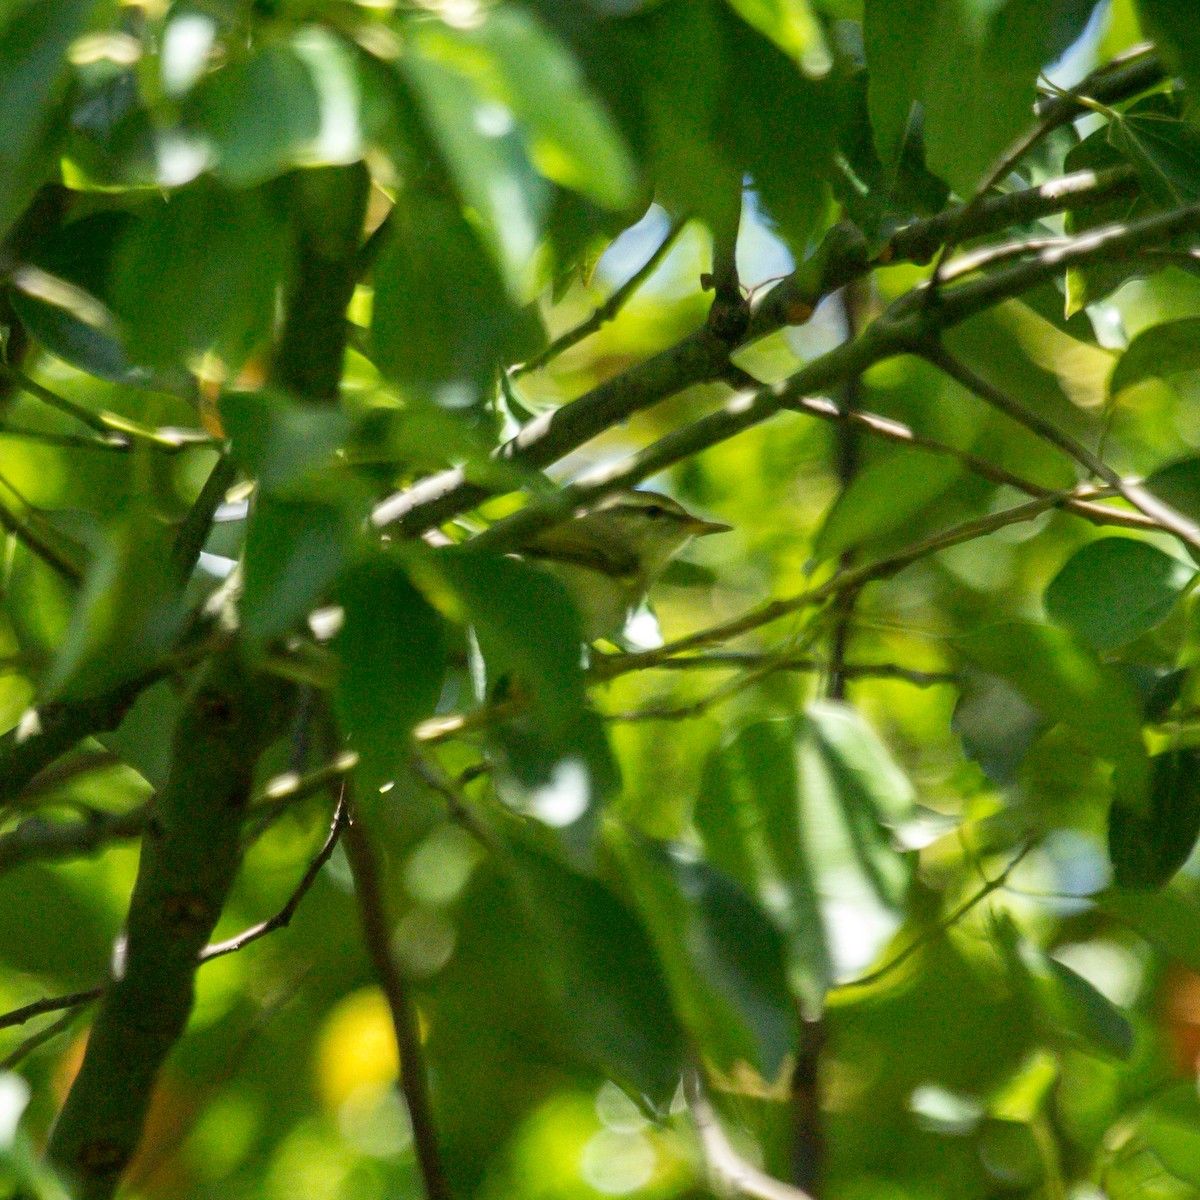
[[654, 510]]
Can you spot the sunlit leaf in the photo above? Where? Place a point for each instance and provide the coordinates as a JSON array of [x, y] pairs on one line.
[[1158, 353], [792, 26]]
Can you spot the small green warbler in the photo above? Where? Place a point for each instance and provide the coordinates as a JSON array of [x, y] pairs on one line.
[[609, 555]]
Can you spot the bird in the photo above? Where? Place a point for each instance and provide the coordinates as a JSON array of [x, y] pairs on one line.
[[610, 554]]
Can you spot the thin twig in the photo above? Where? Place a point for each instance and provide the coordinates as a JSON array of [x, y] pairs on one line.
[[38, 546], [414, 1082], [604, 312], [734, 660], [946, 923], [884, 568], [895, 431], [284, 916], [84, 416], [48, 1004], [36, 1040], [1168, 518]]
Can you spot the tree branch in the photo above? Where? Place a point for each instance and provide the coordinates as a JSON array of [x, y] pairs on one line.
[[700, 358], [188, 863], [414, 1084], [1168, 518]]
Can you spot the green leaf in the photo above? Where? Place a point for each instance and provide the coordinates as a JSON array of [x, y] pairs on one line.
[[1063, 680], [569, 134], [260, 114], [1172, 24], [723, 959], [530, 641], [442, 322], [201, 273], [278, 439], [294, 551], [1068, 1003], [488, 161], [1171, 1127], [1169, 919], [33, 77], [1158, 353], [526, 624], [885, 496], [763, 799], [1115, 589], [869, 775], [972, 65], [393, 653], [1164, 150], [853, 793], [602, 972], [127, 614], [792, 26], [1147, 846]]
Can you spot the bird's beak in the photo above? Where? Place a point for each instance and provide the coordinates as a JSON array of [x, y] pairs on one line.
[[701, 528]]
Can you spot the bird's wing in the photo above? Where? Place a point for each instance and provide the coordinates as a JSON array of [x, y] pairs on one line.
[[577, 546]]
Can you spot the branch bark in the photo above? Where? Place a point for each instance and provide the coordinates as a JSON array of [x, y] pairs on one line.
[[414, 1082], [189, 859]]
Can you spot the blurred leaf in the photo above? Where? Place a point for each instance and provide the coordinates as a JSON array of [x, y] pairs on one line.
[[762, 826], [1068, 1003], [1063, 681], [530, 641], [1169, 919], [792, 26], [997, 725], [603, 974], [1178, 484], [33, 77], [844, 766], [1115, 589], [261, 113], [868, 773], [294, 551], [278, 439], [571, 139], [393, 654], [128, 612], [526, 624], [443, 323], [489, 164], [883, 497], [144, 739], [1158, 353], [1171, 1127], [723, 959], [1172, 24], [972, 66], [216, 259], [1148, 846]]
